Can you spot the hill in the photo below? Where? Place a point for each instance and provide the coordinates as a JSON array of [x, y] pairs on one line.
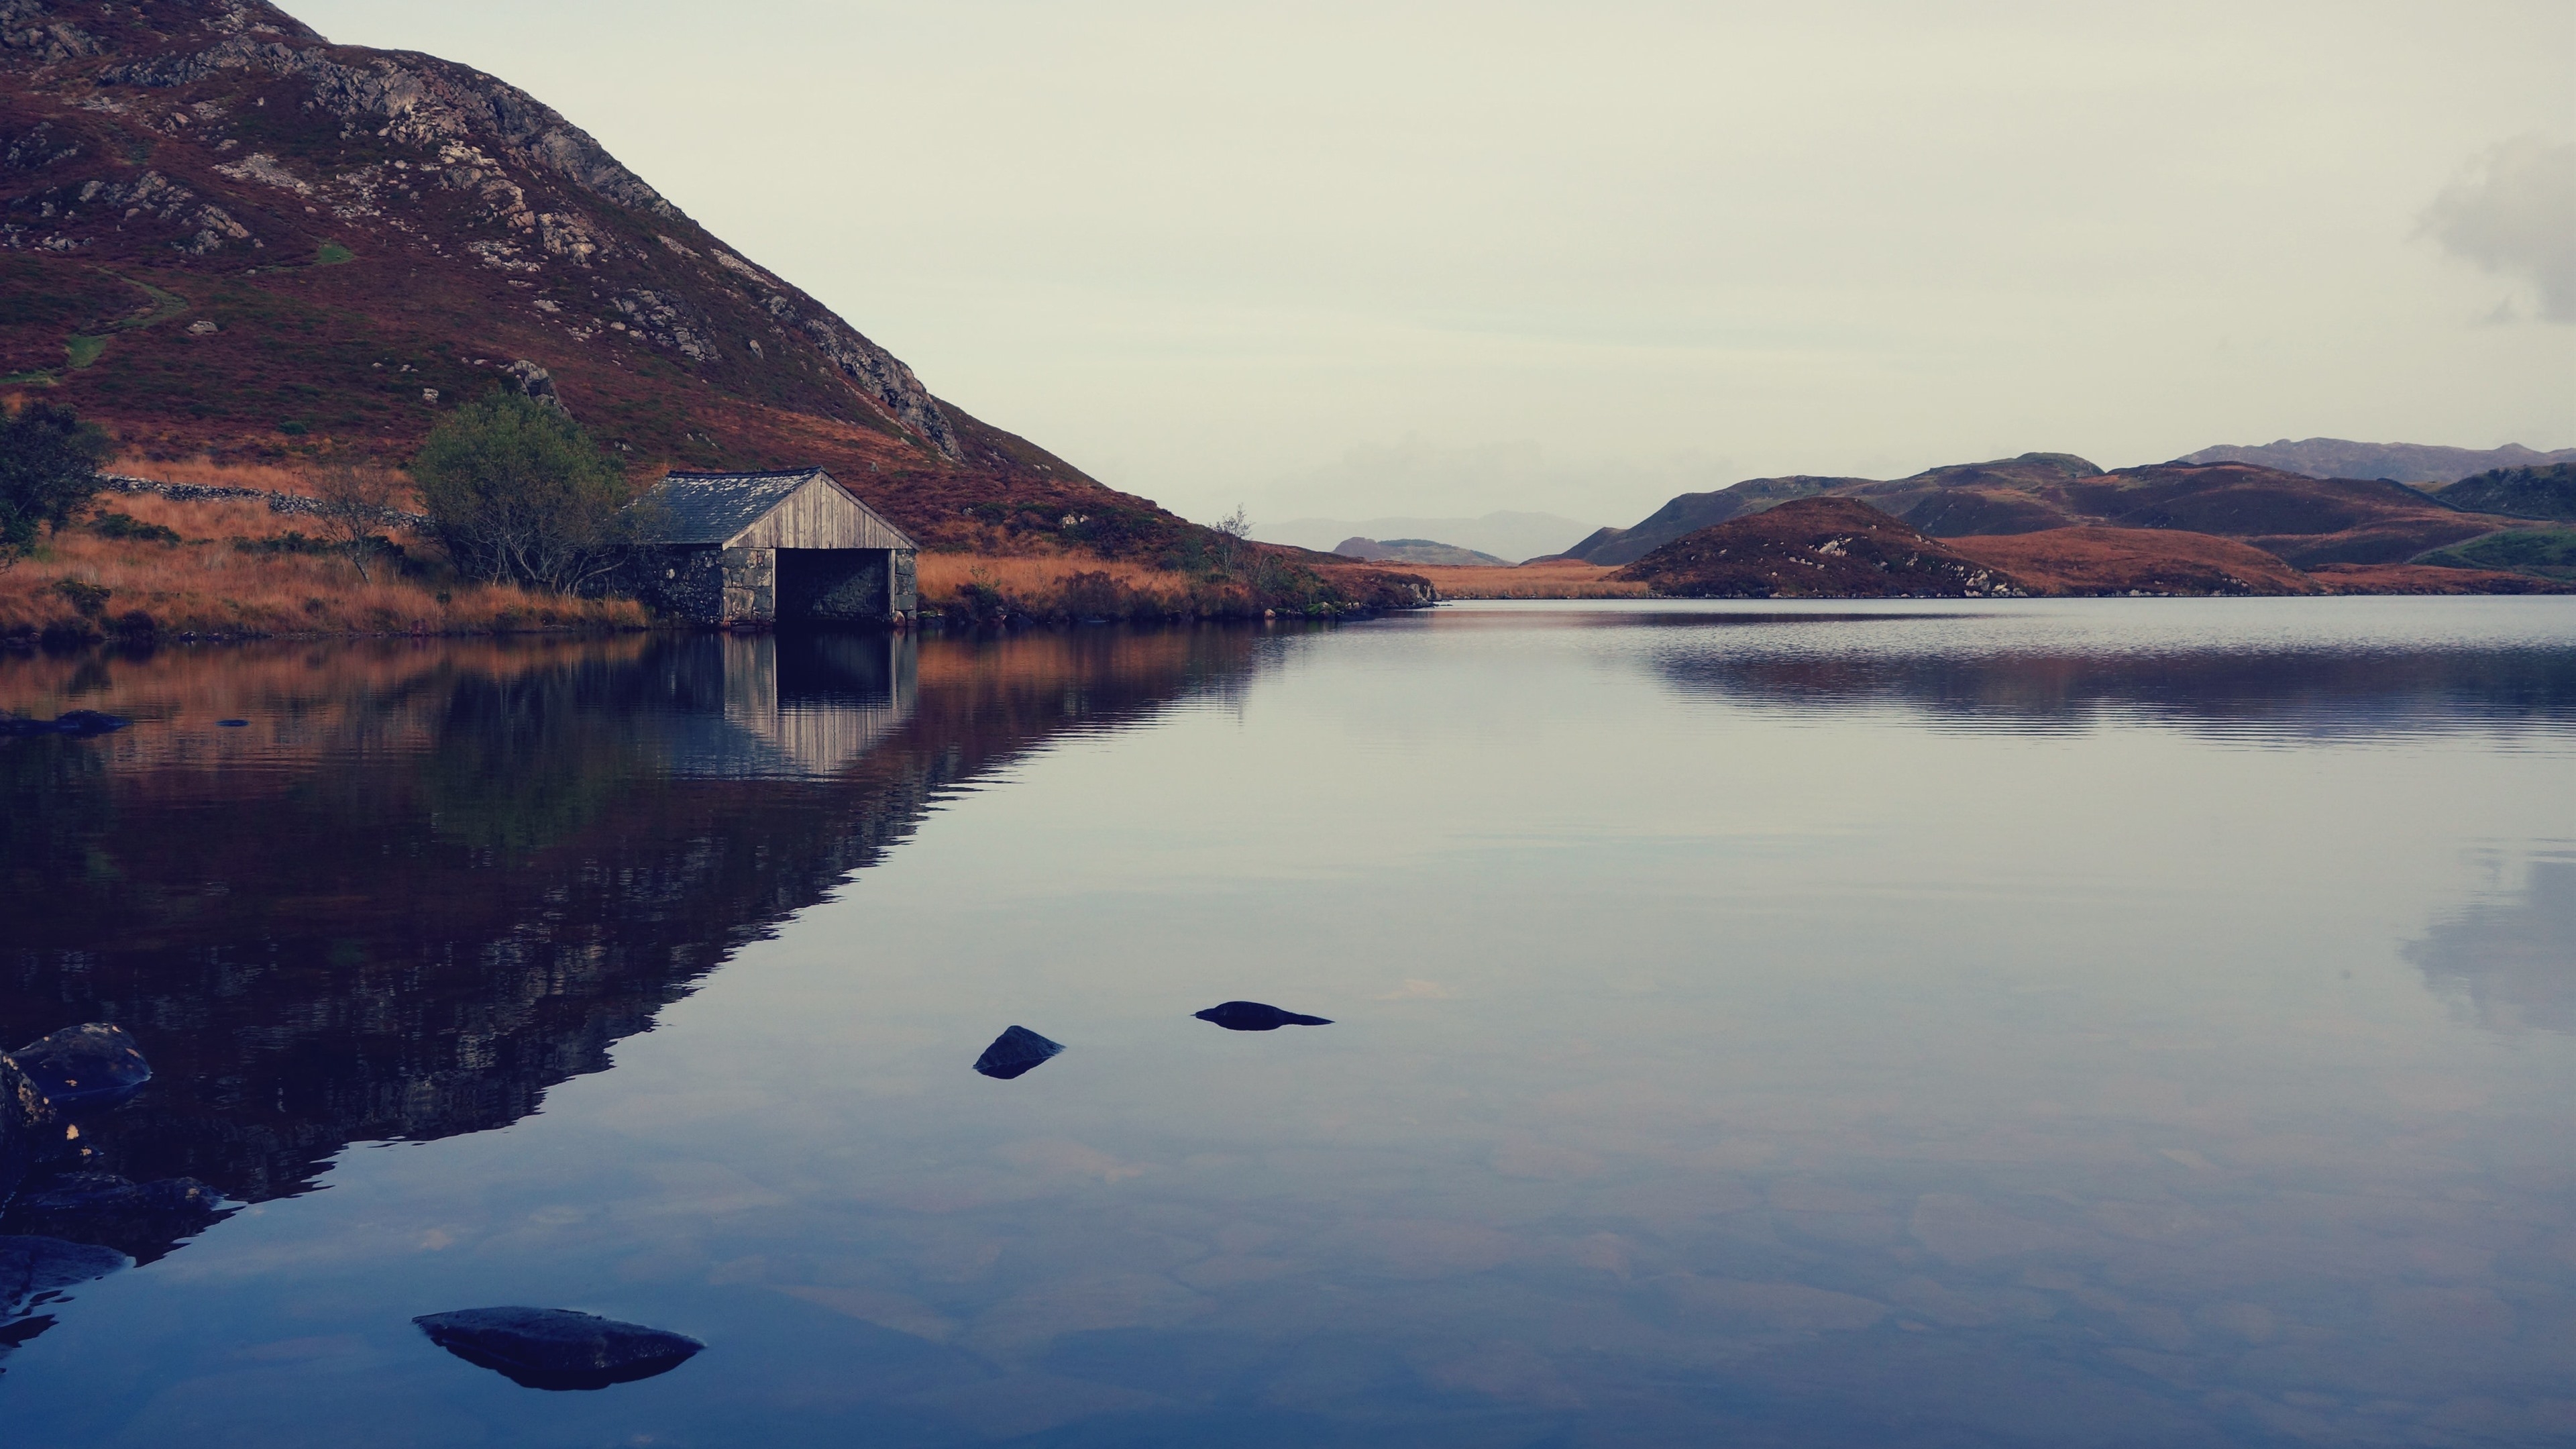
[[1815, 548], [2135, 561], [221, 234], [2299, 519], [2402, 462], [2547, 491], [1416, 551], [1504, 534]]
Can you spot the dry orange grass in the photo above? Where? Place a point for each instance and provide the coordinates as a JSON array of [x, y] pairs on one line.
[[210, 585], [212, 520], [940, 576], [1528, 581]]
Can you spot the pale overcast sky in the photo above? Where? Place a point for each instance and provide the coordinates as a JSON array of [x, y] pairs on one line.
[[1440, 258]]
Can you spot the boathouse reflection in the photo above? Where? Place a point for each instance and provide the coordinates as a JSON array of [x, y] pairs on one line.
[[430, 883]]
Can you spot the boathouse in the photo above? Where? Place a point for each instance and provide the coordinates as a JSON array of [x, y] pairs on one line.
[[759, 549]]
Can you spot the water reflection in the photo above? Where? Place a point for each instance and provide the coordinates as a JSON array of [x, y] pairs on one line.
[[2282, 694], [2513, 961], [1720, 1055], [429, 883]]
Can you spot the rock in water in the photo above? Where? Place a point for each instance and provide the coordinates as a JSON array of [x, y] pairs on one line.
[[1015, 1053], [1255, 1016], [557, 1348], [29, 1266], [84, 1068]]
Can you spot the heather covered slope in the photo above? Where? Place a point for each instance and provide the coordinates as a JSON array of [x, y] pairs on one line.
[[1815, 548], [2405, 462], [220, 233], [2303, 520]]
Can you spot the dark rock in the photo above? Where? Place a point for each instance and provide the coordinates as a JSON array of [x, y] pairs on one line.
[[557, 1348], [1015, 1052], [1255, 1016], [84, 1068], [233, 724], [31, 1266], [29, 1131]]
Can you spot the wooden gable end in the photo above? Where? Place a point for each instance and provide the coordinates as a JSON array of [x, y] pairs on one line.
[[821, 514]]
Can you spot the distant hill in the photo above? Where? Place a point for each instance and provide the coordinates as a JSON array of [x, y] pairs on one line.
[[1415, 551], [2403, 462], [1815, 548], [2303, 520], [1843, 548], [1505, 535], [2539, 492], [2136, 561], [219, 232]]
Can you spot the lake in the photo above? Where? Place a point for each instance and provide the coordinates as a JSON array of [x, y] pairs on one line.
[[1934, 1024]]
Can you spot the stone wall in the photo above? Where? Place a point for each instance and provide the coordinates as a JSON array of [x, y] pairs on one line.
[[291, 504]]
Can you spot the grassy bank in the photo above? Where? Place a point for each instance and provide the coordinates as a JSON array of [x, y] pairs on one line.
[[141, 566], [981, 590]]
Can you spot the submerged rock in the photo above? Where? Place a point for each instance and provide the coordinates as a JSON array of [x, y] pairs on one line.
[[557, 1348], [1256, 1016], [84, 1068], [76, 722], [30, 1266], [1015, 1052]]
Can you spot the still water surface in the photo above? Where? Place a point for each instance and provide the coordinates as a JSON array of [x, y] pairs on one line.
[[2093, 1023]]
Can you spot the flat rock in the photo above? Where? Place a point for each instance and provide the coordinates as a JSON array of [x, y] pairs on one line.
[[84, 1068], [1016, 1052], [1256, 1016], [557, 1348]]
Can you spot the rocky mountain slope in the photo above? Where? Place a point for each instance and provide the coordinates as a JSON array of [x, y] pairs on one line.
[[2403, 462], [221, 233], [2303, 520]]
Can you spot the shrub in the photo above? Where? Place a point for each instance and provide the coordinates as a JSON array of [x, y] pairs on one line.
[[87, 600], [519, 494], [131, 529], [48, 470]]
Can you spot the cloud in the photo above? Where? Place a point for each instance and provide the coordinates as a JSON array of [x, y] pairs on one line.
[[2513, 212]]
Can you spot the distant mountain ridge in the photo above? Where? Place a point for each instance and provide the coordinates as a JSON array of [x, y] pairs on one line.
[[1416, 551], [219, 231], [2401, 462], [2304, 520], [1504, 533]]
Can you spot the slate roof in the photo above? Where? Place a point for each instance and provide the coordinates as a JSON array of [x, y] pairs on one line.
[[713, 507]]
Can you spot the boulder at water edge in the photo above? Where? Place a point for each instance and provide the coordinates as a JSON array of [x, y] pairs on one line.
[[29, 1132], [84, 1068], [557, 1348]]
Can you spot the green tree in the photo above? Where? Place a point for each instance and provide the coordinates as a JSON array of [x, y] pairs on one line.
[[48, 469], [519, 494]]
